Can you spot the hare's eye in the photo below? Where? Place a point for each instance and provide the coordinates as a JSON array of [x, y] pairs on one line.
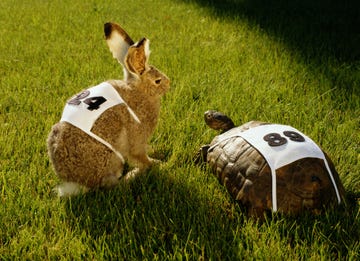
[[158, 81]]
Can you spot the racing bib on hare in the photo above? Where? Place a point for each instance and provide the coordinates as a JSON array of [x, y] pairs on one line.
[[85, 108], [280, 145]]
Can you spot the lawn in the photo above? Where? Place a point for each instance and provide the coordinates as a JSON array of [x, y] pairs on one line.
[[294, 63]]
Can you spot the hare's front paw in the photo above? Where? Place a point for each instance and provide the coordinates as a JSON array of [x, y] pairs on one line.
[[132, 174], [136, 171], [155, 161]]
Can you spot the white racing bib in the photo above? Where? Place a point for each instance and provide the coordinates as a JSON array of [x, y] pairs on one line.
[[85, 108], [280, 145]]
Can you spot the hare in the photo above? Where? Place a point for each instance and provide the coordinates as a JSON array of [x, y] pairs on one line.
[[106, 125]]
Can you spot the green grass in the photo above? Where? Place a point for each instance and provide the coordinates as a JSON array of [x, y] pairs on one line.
[[249, 59]]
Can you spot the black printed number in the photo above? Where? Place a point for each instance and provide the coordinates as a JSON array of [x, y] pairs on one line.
[[93, 102], [275, 139], [294, 136], [77, 99]]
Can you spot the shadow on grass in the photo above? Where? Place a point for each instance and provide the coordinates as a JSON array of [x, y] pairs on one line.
[[326, 33], [338, 228], [158, 215], [316, 28], [155, 215]]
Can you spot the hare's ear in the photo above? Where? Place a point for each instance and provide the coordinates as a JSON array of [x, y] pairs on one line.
[[118, 41], [137, 58]]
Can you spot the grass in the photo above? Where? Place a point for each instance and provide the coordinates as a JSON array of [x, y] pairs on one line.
[[249, 59]]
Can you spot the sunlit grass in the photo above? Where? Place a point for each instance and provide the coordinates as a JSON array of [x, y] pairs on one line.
[[51, 50]]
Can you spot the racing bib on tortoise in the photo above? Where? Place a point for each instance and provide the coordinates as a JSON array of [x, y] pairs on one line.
[[281, 145]]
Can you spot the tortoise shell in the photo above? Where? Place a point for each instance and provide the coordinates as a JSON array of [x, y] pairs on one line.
[[304, 184]]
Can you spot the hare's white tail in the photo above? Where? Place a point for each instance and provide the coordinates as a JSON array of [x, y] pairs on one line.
[[67, 189]]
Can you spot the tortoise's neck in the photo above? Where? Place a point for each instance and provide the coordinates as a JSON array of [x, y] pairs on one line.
[[229, 126]]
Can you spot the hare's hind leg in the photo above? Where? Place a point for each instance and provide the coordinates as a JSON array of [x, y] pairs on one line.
[[112, 172], [111, 180]]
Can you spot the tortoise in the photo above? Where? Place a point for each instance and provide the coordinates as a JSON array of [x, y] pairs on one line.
[[270, 167]]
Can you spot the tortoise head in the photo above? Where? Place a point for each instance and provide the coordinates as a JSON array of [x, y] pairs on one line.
[[218, 121]]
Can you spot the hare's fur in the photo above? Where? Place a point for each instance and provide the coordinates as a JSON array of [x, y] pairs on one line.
[[82, 162]]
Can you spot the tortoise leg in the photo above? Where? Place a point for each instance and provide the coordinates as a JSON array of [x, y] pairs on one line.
[[201, 155]]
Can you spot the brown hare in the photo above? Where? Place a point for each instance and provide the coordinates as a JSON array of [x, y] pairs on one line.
[[106, 125]]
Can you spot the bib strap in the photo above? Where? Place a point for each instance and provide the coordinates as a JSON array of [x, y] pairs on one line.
[[107, 144]]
